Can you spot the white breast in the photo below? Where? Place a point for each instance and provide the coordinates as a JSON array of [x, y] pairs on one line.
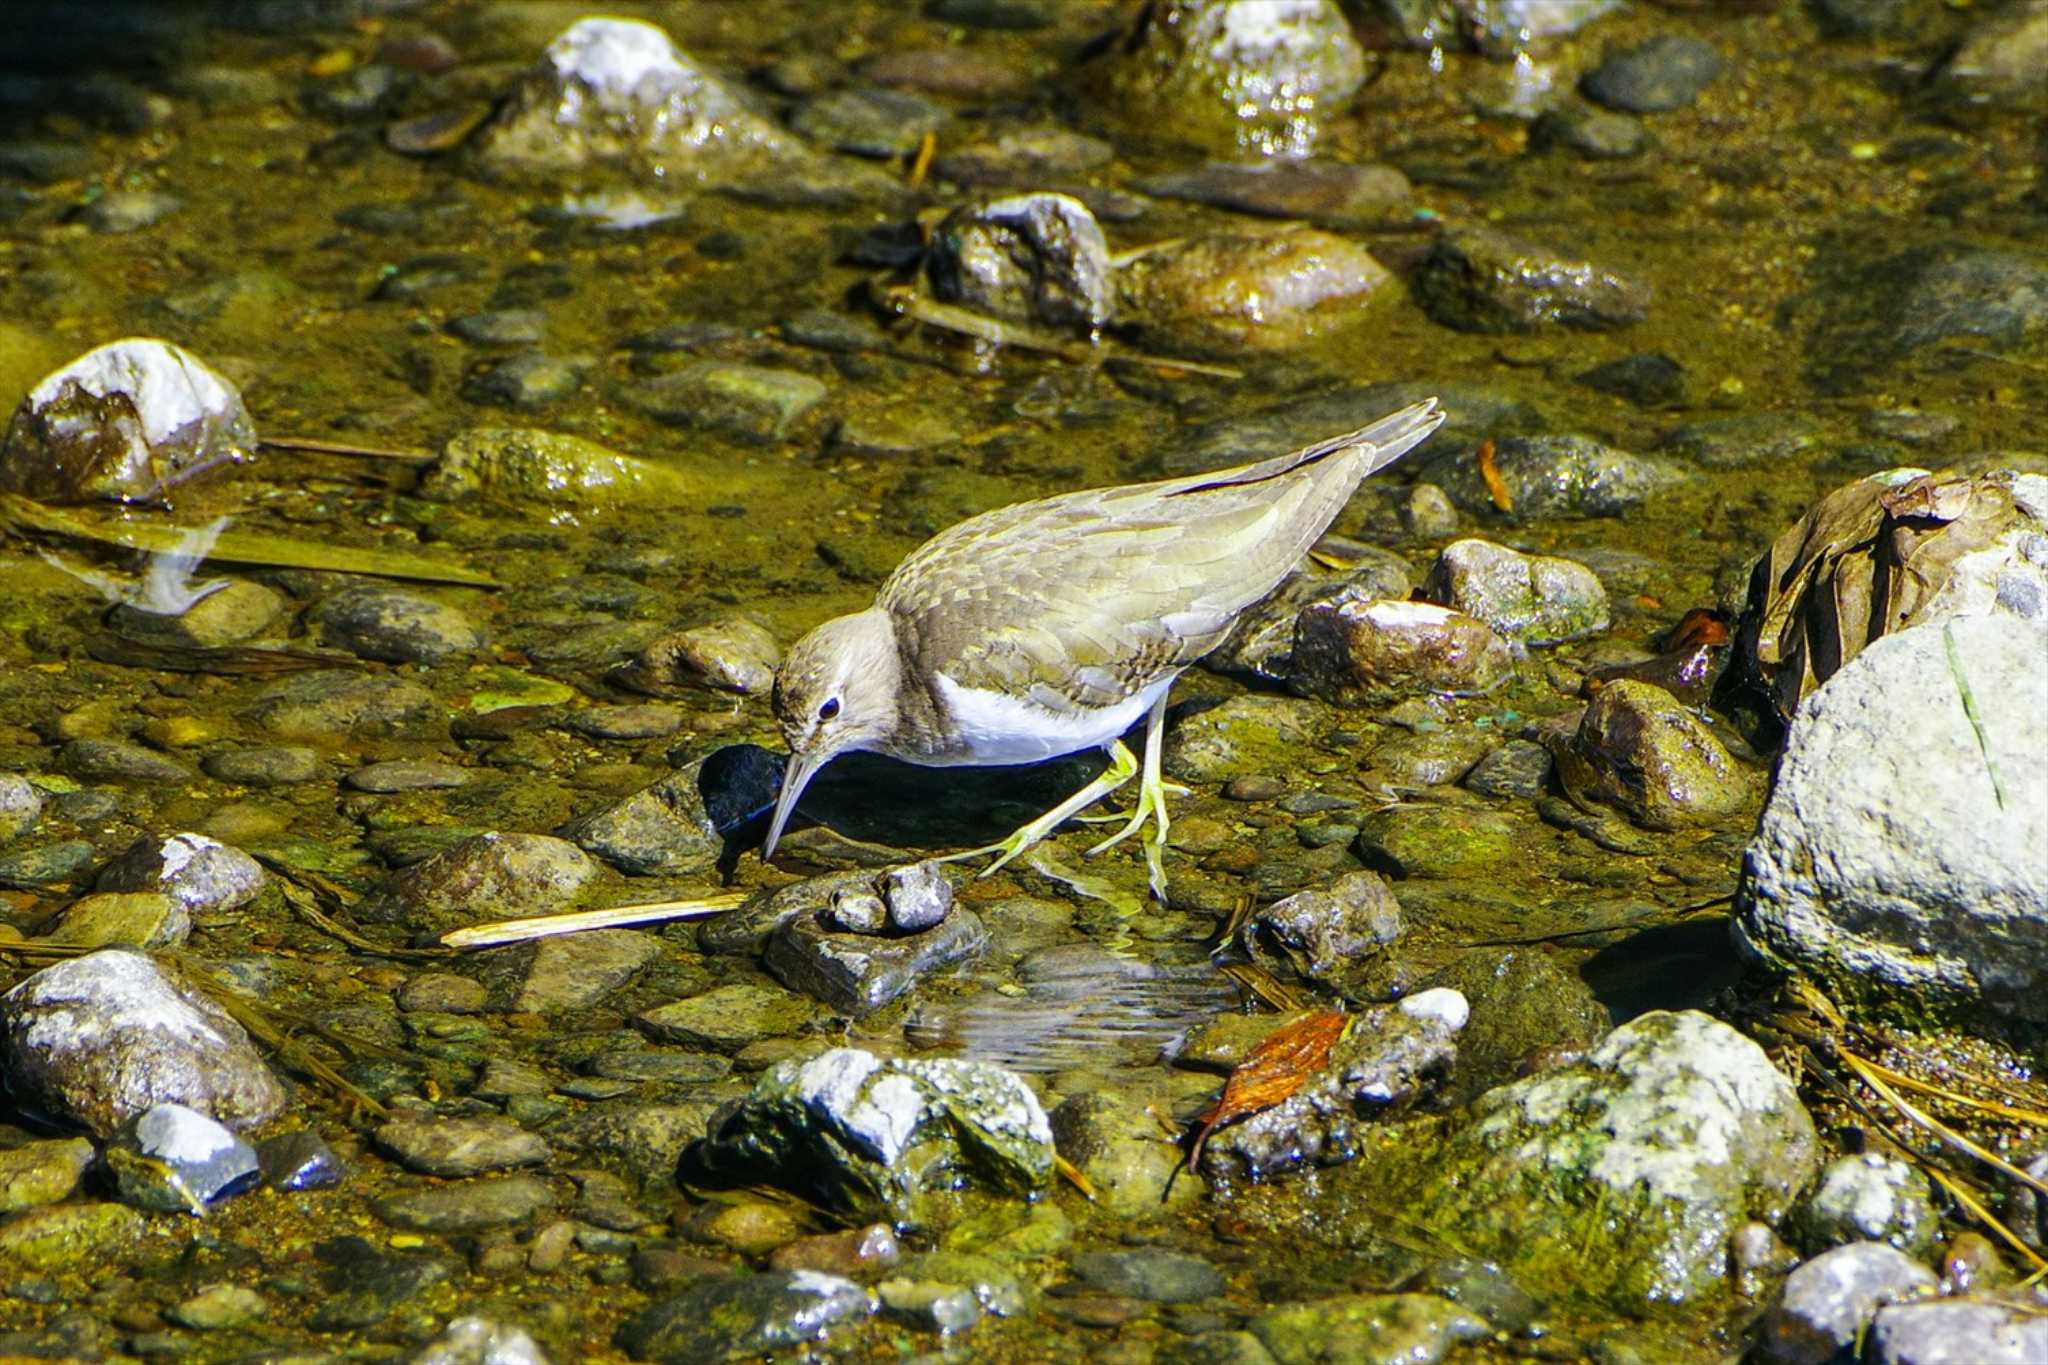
[[992, 727]]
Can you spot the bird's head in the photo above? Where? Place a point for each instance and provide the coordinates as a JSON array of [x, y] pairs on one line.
[[836, 692]]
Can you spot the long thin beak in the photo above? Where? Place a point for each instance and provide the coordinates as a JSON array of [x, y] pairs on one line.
[[794, 778]]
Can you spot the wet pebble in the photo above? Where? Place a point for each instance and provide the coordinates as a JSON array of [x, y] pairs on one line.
[[1477, 279], [1374, 652], [443, 993], [475, 1340], [626, 722], [2012, 1331], [1150, 1273], [472, 1206], [1330, 193], [577, 971], [858, 1253], [531, 379], [237, 611], [124, 211], [733, 654], [859, 973], [219, 1308], [1665, 73], [280, 765], [363, 1284], [1639, 750], [1519, 768], [931, 1305], [754, 404], [498, 875], [173, 1159], [407, 775], [202, 874], [298, 1160], [44, 1172], [1250, 289], [20, 805], [1027, 155], [1328, 934], [451, 1147], [735, 1317], [1427, 512], [1827, 1304], [1596, 134], [679, 824], [144, 919], [70, 1236], [1557, 476], [1037, 258], [888, 433], [869, 122], [1421, 842], [392, 625], [48, 865], [1648, 379], [117, 760], [727, 1018], [1419, 1328], [1535, 599], [1871, 1198], [504, 327], [335, 705]]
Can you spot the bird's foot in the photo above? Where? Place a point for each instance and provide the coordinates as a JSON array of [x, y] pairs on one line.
[[1152, 794], [1122, 768]]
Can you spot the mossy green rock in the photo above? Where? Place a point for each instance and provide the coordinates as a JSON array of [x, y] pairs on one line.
[[38, 1173], [743, 1317], [523, 465], [1641, 751], [728, 1018], [63, 1236], [1619, 1180], [1248, 734], [1521, 1000], [1413, 841], [1367, 1329]]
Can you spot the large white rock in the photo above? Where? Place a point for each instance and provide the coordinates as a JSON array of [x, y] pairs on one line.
[[1904, 851]]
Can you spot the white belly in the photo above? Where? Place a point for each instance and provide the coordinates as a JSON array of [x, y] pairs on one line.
[[991, 727]]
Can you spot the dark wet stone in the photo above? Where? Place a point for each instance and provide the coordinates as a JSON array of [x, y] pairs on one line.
[[642, 1139], [460, 1147], [1370, 1329], [1919, 303], [576, 971], [124, 211], [498, 875], [1519, 768], [529, 380], [505, 327], [1859, 18], [1827, 1304], [1638, 749], [1236, 82], [101, 1038], [1481, 1288], [660, 1064], [1392, 1056], [1534, 599], [1012, 15], [175, 1160], [1750, 439], [20, 805], [407, 775], [728, 1018], [828, 329], [1332, 193], [1328, 935], [1522, 1001], [117, 760], [858, 973], [1303, 421], [364, 1284], [334, 705], [1028, 257], [1476, 279], [751, 403], [733, 654], [299, 1160], [670, 827], [1030, 155], [1648, 379], [736, 1317], [1250, 289], [44, 163], [872, 1137], [237, 611], [1556, 476], [1375, 652], [424, 275], [868, 122], [201, 874], [1665, 73], [46, 866], [1261, 643], [1149, 1273], [2001, 63], [1595, 134], [471, 1206]]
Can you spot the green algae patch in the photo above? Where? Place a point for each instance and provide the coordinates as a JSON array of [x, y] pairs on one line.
[[63, 1236]]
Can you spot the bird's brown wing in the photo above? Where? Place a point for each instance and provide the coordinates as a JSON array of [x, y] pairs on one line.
[[1079, 601]]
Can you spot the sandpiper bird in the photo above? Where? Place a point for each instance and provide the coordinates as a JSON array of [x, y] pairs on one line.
[[1050, 627]]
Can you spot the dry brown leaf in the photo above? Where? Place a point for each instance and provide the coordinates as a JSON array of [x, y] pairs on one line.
[[1274, 1070]]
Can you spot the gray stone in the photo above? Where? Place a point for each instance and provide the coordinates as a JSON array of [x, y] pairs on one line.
[[918, 896], [1519, 768], [1035, 154], [664, 829], [406, 775], [1326, 935], [48, 865], [1667, 72], [1330, 193], [930, 1304], [647, 721], [1261, 642], [742, 1317], [1828, 1303], [333, 705], [177, 1160], [2000, 62], [1367, 1329], [298, 1160], [520, 465], [1918, 305], [123, 422], [576, 971], [104, 1037], [531, 379], [857, 973], [1250, 289], [503, 327], [394, 626], [123, 211], [1236, 77], [872, 1137], [498, 875], [755, 404], [733, 654], [728, 1018], [1476, 279], [1899, 856], [1149, 1273], [1962, 1331], [1536, 599], [475, 1340], [276, 765], [1557, 476], [117, 760], [1371, 653], [1871, 1198], [1595, 134], [20, 805], [471, 1206], [868, 122], [219, 1308], [1769, 439], [1037, 258], [460, 1147]]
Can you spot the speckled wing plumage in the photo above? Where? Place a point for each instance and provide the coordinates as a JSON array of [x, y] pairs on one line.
[[1081, 601]]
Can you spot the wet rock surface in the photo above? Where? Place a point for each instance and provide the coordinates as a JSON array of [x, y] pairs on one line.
[[1479, 280]]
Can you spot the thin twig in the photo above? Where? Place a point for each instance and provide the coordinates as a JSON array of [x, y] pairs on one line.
[[577, 921]]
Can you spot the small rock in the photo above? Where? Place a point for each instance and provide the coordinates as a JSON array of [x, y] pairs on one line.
[[1519, 768], [123, 211], [20, 806], [1871, 1198], [1476, 279], [515, 464], [1028, 155], [394, 626], [577, 971], [732, 655], [627, 722], [1261, 643], [1961, 1331], [1370, 1329], [1522, 1003], [1556, 476], [857, 1253], [728, 1018], [472, 1206], [219, 1307], [140, 919], [1255, 732], [1250, 290], [175, 1160], [477, 1340], [868, 122], [460, 1147], [406, 775], [1594, 134], [1827, 1304], [117, 760], [1536, 599], [1640, 751], [1029, 257], [1333, 194], [1153, 1275], [230, 614], [738, 1317], [1116, 1144], [1326, 935], [1375, 652], [298, 1160], [70, 1236], [363, 1284], [918, 897], [105, 1037], [755, 404], [1648, 379], [331, 705], [1665, 73], [279, 765], [498, 875], [930, 1304], [859, 973], [38, 1173], [531, 379]]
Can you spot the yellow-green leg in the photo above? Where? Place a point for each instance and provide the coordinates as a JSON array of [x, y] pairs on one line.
[[1152, 792], [1122, 768]]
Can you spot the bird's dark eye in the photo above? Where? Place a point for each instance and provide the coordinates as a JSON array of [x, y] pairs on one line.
[[829, 709]]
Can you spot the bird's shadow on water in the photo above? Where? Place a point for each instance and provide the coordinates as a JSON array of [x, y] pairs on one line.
[[880, 800]]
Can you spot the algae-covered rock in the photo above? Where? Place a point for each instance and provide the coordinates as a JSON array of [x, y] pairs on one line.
[[516, 464], [1554, 476], [38, 1173], [1329, 934], [1536, 599], [1522, 1001], [69, 1236], [1245, 734], [743, 1317], [1869, 1197], [1437, 842], [873, 1137], [1639, 750], [1621, 1179], [1367, 1329], [497, 875], [1250, 290], [1476, 279]]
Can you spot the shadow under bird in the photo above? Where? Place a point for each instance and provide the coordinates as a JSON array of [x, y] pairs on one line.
[[1051, 627]]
